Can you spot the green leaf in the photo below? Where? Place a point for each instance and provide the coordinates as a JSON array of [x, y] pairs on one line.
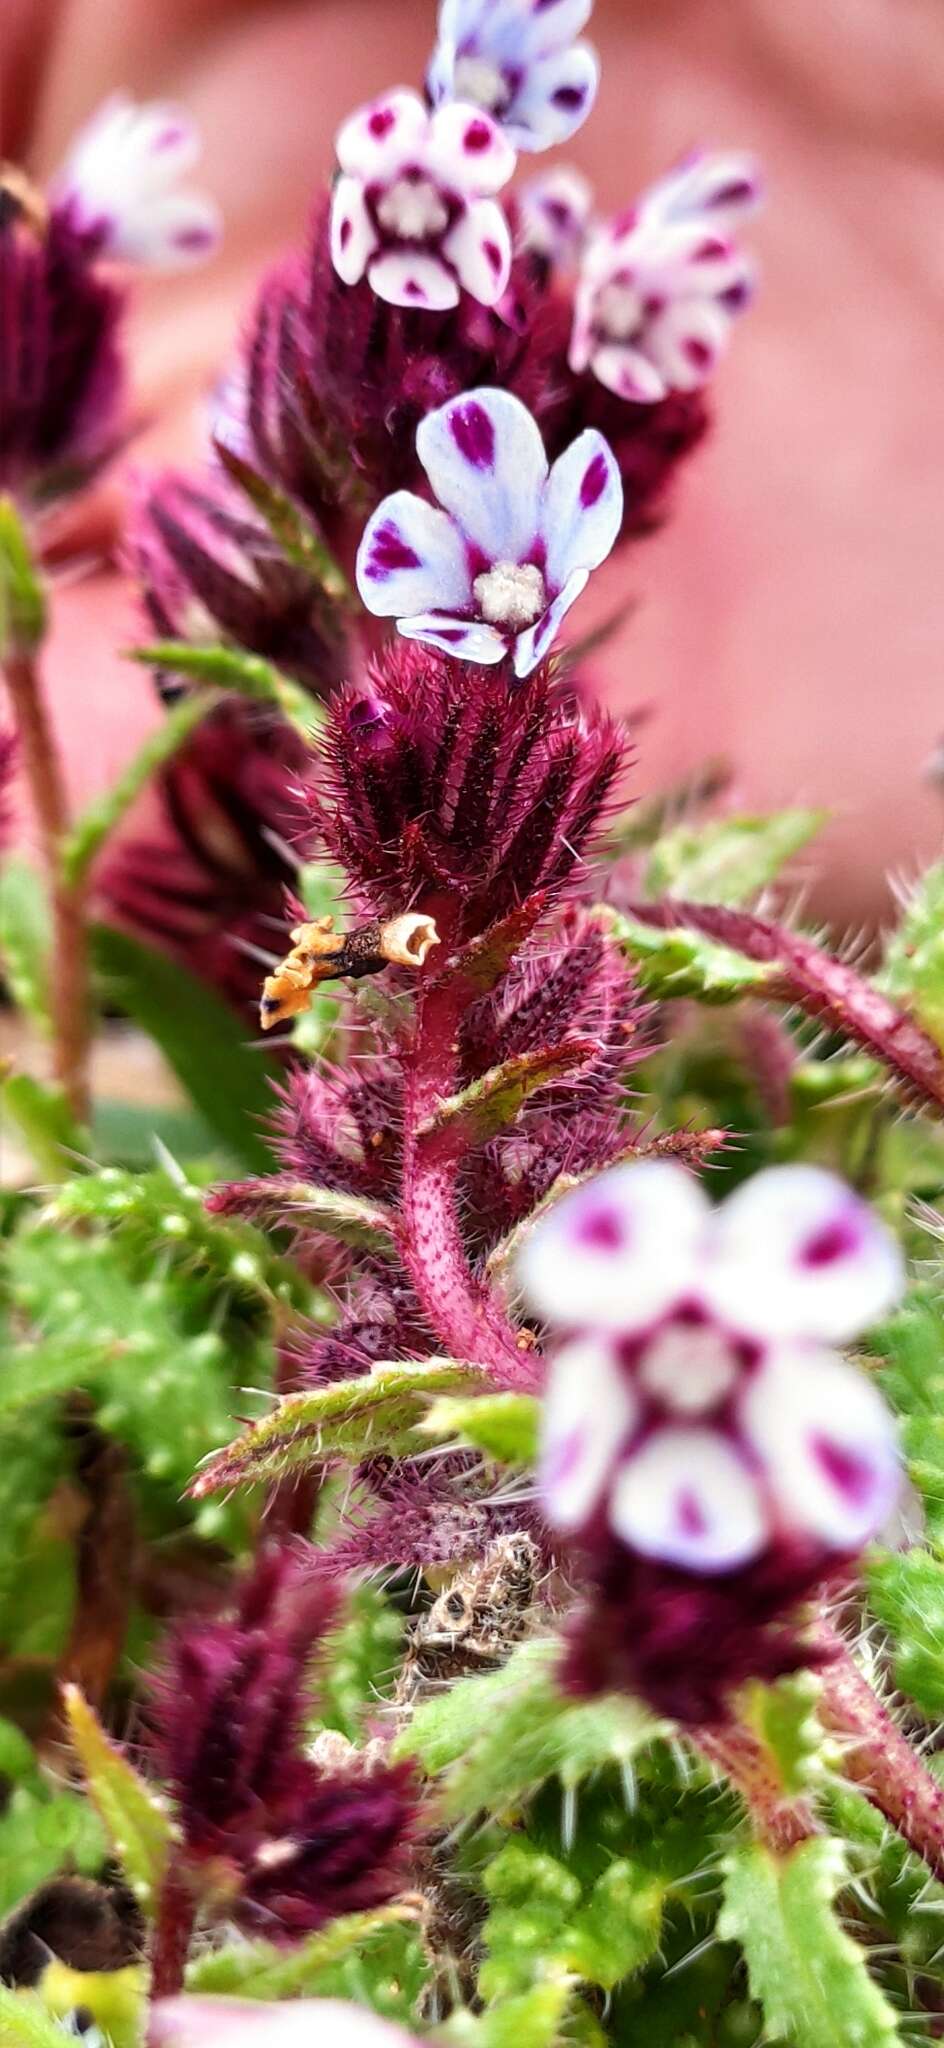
[[538, 2018], [354, 1419], [41, 1833], [296, 536], [679, 963], [913, 971], [114, 1998], [260, 1969], [227, 1080], [25, 937], [25, 2022], [728, 860], [482, 1109], [542, 1921], [360, 1663], [277, 1198], [504, 1426], [498, 1736], [227, 668], [137, 1821], [784, 1719], [44, 1121], [910, 1347], [810, 1978], [95, 825], [906, 1593], [22, 592]]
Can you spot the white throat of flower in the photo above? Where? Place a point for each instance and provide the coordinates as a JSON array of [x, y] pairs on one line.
[[483, 84], [619, 311], [512, 594], [689, 1369], [413, 210]]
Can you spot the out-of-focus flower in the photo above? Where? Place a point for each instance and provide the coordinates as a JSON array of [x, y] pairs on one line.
[[61, 373], [414, 207], [701, 1438], [239, 2023], [518, 59], [492, 569], [554, 215], [661, 285], [283, 1844]]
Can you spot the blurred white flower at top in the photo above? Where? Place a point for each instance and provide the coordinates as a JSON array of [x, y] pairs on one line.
[[122, 186]]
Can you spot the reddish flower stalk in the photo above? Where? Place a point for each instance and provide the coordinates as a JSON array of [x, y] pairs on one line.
[[69, 964], [823, 986], [879, 1758], [779, 1821], [173, 1933]]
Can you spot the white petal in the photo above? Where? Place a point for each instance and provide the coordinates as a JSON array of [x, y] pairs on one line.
[[383, 134], [556, 22], [412, 277], [468, 150], [589, 1412], [619, 1252], [555, 211], [242, 2023], [688, 1498], [795, 1253], [484, 457], [121, 179], [411, 558], [686, 341], [353, 239], [828, 1443], [629, 373], [725, 184], [583, 508], [555, 98], [536, 641], [168, 234], [480, 248], [464, 639]]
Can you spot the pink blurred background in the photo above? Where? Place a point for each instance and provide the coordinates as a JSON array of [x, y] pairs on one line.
[[791, 616]]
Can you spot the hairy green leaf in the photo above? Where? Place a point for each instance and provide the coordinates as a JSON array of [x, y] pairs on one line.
[[906, 1593], [504, 1426], [374, 1958], [913, 970], [25, 2022], [728, 860], [810, 1978], [482, 1109], [25, 937], [228, 668], [22, 590], [681, 963], [91, 830], [138, 1823]]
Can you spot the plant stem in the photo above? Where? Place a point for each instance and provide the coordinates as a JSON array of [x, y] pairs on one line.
[[69, 992], [173, 1933], [879, 1758], [780, 1821], [465, 1315]]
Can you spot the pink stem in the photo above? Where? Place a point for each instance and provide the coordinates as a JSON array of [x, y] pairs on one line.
[[781, 1822], [466, 1317], [173, 1933], [879, 1758]]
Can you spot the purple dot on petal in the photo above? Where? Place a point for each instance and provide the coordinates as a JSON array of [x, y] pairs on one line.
[[478, 136], [389, 552], [689, 1514], [653, 305], [852, 1476], [170, 137], [697, 352], [594, 481], [451, 633], [713, 246], [413, 288], [381, 121], [493, 255], [623, 223], [345, 233], [733, 194], [602, 1230], [569, 97], [836, 1240], [736, 297], [194, 238], [473, 433]]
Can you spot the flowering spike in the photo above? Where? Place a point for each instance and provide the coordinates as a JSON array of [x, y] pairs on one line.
[[492, 573], [519, 60], [120, 186]]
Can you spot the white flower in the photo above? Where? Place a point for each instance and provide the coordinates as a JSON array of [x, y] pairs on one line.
[[554, 212], [121, 186], [520, 61], [660, 287], [492, 568], [414, 207], [239, 2023], [699, 1405]]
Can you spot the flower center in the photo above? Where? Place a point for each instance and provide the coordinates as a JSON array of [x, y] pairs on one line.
[[413, 210], [690, 1370], [511, 594], [619, 311], [480, 82]]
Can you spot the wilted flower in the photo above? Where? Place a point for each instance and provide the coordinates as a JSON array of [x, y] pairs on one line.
[[660, 286], [414, 207], [697, 1419], [120, 186], [284, 1844], [518, 59], [554, 215], [233, 2022], [494, 571]]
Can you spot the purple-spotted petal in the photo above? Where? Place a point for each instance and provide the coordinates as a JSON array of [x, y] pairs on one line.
[[620, 1252], [688, 1498], [828, 1443], [413, 277], [169, 234], [554, 212], [686, 341], [589, 1412], [353, 239], [381, 135], [724, 184], [479, 247], [555, 97], [795, 1253], [629, 373], [536, 641], [468, 150], [410, 559], [583, 508], [464, 639], [484, 457], [121, 183]]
